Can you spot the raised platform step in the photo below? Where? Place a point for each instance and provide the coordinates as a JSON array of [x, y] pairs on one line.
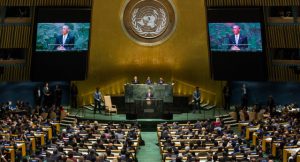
[[227, 118], [71, 115], [89, 107], [70, 118], [78, 116], [64, 124], [68, 121], [203, 105], [230, 121], [222, 116], [209, 107], [232, 125]]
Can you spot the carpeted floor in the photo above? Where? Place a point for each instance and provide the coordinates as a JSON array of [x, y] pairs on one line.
[[150, 152]]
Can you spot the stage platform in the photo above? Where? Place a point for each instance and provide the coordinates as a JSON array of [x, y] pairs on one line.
[[147, 124], [87, 114]]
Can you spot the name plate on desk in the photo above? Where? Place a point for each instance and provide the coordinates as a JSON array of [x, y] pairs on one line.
[[138, 91]]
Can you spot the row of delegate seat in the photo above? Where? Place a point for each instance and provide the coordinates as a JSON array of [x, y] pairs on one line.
[[102, 138], [278, 135], [201, 141]]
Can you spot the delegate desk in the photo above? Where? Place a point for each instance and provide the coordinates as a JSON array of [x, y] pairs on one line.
[[250, 131], [288, 150], [11, 152], [266, 140]]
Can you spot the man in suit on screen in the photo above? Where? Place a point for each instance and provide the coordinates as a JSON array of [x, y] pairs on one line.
[[237, 41], [65, 41]]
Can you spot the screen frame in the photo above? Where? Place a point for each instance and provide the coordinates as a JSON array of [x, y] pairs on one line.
[[64, 69], [237, 15], [56, 18], [214, 17]]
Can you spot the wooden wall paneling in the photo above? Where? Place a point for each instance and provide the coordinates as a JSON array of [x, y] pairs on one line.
[[6, 70], [76, 3], [276, 72], [15, 36], [16, 71], [1, 39], [290, 74], [281, 72], [293, 40], [9, 73], [287, 36]]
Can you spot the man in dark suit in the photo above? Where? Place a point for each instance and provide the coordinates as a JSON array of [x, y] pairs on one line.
[[65, 41], [97, 100], [148, 81], [38, 99], [244, 96], [135, 80], [196, 99], [271, 105], [74, 93], [149, 94], [58, 96], [161, 81], [227, 95], [47, 95], [237, 41], [38, 96]]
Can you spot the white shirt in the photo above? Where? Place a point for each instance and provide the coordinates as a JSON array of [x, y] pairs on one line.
[[244, 90], [237, 38], [39, 92], [64, 38]]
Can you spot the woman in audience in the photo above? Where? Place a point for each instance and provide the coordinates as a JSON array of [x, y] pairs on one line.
[[217, 124]]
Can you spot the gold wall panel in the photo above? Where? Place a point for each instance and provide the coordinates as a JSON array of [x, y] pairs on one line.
[[114, 59]]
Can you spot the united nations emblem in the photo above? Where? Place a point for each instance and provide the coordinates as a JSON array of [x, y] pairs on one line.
[[148, 22]]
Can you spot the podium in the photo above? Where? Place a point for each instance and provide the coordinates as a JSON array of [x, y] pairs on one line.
[[140, 108], [149, 108]]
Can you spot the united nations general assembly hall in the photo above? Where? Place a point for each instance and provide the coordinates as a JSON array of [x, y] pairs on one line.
[[149, 81]]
